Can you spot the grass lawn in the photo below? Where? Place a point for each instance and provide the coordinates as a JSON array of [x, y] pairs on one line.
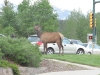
[[92, 60]]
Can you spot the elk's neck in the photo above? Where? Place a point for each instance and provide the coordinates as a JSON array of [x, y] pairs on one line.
[[39, 33]]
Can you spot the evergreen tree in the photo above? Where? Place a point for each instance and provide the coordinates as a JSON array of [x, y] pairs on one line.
[[45, 16], [8, 18]]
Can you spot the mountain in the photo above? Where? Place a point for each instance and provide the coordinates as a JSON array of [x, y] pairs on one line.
[[62, 14]]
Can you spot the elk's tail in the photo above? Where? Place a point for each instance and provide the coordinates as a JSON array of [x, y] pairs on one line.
[[61, 35]]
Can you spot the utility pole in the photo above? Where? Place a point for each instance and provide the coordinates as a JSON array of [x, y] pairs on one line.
[[94, 26]]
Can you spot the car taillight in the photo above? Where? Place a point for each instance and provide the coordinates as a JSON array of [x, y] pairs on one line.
[[39, 43]]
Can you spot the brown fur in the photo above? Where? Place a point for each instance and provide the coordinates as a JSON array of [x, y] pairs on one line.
[[50, 37]]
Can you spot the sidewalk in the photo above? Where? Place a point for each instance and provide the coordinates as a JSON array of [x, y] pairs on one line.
[[92, 71], [79, 72]]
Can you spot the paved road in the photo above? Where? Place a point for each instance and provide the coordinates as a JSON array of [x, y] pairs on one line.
[[92, 71]]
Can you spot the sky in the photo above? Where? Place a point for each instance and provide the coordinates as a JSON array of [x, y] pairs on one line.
[[84, 5]]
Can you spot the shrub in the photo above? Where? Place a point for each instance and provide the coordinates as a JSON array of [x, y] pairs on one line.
[[28, 55], [20, 51], [4, 63], [15, 69], [1, 54]]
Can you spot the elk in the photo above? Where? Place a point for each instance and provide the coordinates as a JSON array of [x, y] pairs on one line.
[[50, 37]]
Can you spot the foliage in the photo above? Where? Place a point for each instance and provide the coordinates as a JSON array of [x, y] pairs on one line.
[[8, 18], [6, 64], [45, 16], [1, 54], [20, 51], [76, 26], [40, 13], [8, 30], [24, 18], [22, 21], [27, 15], [15, 69], [93, 60]]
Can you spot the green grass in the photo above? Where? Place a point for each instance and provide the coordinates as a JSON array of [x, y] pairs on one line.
[[92, 60]]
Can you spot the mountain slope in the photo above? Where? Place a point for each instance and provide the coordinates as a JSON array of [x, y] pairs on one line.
[[62, 14]]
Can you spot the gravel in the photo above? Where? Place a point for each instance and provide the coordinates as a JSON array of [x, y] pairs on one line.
[[54, 66]]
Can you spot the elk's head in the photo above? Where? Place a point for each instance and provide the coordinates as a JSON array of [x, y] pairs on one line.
[[37, 28]]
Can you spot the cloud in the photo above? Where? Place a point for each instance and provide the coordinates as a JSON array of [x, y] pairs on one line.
[[84, 5]]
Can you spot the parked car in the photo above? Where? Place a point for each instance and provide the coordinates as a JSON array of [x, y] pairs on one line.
[[92, 48], [33, 39], [2, 35], [75, 41], [69, 47]]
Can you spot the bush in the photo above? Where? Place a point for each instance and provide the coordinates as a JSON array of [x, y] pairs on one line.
[[28, 55], [1, 54], [21, 51], [4, 63]]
